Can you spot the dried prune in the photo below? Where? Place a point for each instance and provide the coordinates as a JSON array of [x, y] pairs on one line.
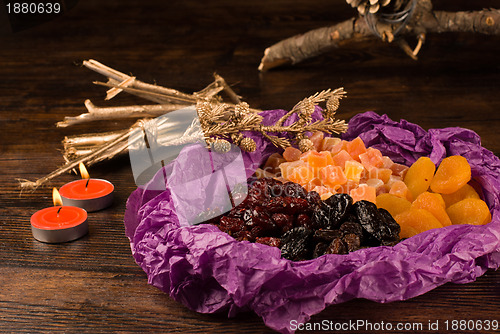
[[320, 249], [327, 235], [351, 227], [295, 243], [244, 235], [337, 246], [352, 242], [313, 198], [369, 218], [391, 227], [331, 212]]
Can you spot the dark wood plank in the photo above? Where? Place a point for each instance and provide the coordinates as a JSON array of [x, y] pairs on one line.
[[93, 284]]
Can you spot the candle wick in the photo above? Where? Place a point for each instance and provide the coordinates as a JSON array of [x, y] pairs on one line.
[[86, 184], [59, 211]]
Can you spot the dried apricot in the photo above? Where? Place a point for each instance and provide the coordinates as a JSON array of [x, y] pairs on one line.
[[471, 211], [452, 174], [419, 176], [466, 191], [434, 204], [394, 204], [415, 221]]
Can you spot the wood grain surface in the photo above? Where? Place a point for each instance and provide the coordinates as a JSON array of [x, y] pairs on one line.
[[93, 284]]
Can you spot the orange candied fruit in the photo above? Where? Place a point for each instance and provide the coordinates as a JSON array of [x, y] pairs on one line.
[[332, 176], [319, 159], [353, 170], [363, 192], [371, 158], [341, 158], [356, 147], [302, 175]]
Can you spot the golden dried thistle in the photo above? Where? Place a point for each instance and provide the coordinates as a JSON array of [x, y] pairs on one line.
[[221, 146]]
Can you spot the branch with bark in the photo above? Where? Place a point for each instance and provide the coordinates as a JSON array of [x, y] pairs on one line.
[[388, 22]]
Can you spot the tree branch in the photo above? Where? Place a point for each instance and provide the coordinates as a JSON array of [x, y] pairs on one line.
[[315, 42]]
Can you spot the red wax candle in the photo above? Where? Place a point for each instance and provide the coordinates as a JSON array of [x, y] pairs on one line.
[[88, 194], [59, 224]]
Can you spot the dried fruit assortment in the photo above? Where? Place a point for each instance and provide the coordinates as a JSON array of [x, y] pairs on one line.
[[339, 166], [303, 226]]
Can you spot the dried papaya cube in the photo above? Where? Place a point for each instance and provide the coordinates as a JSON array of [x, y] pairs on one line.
[[317, 139], [387, 162], [332, 175], [309, 186], [452, 174], [419, 176], [467, 191], [302, 175], [394, 204], [363, 192], [323, 192], [338, 147], [347, 187], [399, 188], [328, 143], [319, 159], [353, 170], [371, 158], [471, 211], [434, 204], [287, 168], [399, 169], [356, 147], [416, 221], [273, 162], [292, 154], [340, 158], [382, 174], [375, 183]]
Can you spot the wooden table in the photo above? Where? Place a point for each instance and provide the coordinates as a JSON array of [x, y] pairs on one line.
[[93, 284]]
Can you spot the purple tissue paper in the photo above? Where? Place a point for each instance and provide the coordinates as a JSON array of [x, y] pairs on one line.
[[209, 271]]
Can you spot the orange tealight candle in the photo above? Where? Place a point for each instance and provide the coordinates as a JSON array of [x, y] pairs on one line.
[[89, 194], [59, 223]]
